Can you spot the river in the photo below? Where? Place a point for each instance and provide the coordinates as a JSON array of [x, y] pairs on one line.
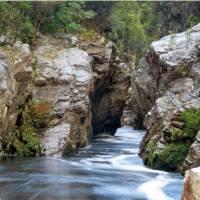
[[108, 169]]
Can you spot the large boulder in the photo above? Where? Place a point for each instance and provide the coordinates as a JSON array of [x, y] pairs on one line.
[[166, 87]]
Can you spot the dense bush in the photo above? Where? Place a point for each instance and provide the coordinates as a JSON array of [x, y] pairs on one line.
[[132, 24], [25, 19], [191, 119]]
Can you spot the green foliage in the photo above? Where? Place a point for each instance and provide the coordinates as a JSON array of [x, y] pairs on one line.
[[191, 119], [151, 148], [24, 138], [132, 23], [68, 18], [28, 32], [25, 19], [193, 20], [173, 155], [169, 158], [10, 18], [25, 141], [177, 134]]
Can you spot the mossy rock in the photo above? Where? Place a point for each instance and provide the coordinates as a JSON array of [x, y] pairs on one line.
[[191, 119], [151, 148], [24, 139], [182, 70], [173, 155], [169, 158]]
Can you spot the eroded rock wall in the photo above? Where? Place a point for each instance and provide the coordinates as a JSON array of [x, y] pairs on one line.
[[111, 86], [15, 88], [53, 98], [165, 87]]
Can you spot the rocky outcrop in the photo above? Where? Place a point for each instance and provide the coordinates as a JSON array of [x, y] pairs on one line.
[[166, 88], [111, 85], [63, 80], [54, 97], [191, 185], [15, 80]]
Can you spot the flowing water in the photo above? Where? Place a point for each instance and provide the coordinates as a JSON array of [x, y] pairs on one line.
[[109, 169]]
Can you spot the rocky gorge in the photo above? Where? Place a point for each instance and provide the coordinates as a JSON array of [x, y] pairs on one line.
[[55, 97]]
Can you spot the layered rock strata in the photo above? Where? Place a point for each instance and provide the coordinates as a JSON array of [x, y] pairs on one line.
[[54, 97], [166, 95]]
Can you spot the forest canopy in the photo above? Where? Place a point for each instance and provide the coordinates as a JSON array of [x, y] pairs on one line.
[[131, 25]]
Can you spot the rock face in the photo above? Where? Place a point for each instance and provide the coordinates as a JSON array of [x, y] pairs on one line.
[[166, 90], [111, 85], [15, 79], [191, 185], [55, 97], [63, 80]]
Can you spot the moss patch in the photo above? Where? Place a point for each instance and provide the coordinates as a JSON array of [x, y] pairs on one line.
[[151, 149], [191, 119], [24, 140], [173, 155], [182, 70]]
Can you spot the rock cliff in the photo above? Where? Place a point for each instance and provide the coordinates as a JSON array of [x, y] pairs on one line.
[[166, 96], [54, 97]]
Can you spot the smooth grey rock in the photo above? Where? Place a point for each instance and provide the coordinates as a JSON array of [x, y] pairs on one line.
[[54, 140]]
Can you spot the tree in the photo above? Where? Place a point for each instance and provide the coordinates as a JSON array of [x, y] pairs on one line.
[[131, 24], [25, 19]]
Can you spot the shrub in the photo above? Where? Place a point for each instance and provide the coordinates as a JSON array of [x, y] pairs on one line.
[[191, 119], [173, 155], [151, 147]]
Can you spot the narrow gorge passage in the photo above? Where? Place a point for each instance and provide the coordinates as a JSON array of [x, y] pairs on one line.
[[108, 169]]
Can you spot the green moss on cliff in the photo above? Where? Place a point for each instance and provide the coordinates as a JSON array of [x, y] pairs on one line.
[[24, 140], [151, 153], [191, 119], [169, 158], [172, 156]]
